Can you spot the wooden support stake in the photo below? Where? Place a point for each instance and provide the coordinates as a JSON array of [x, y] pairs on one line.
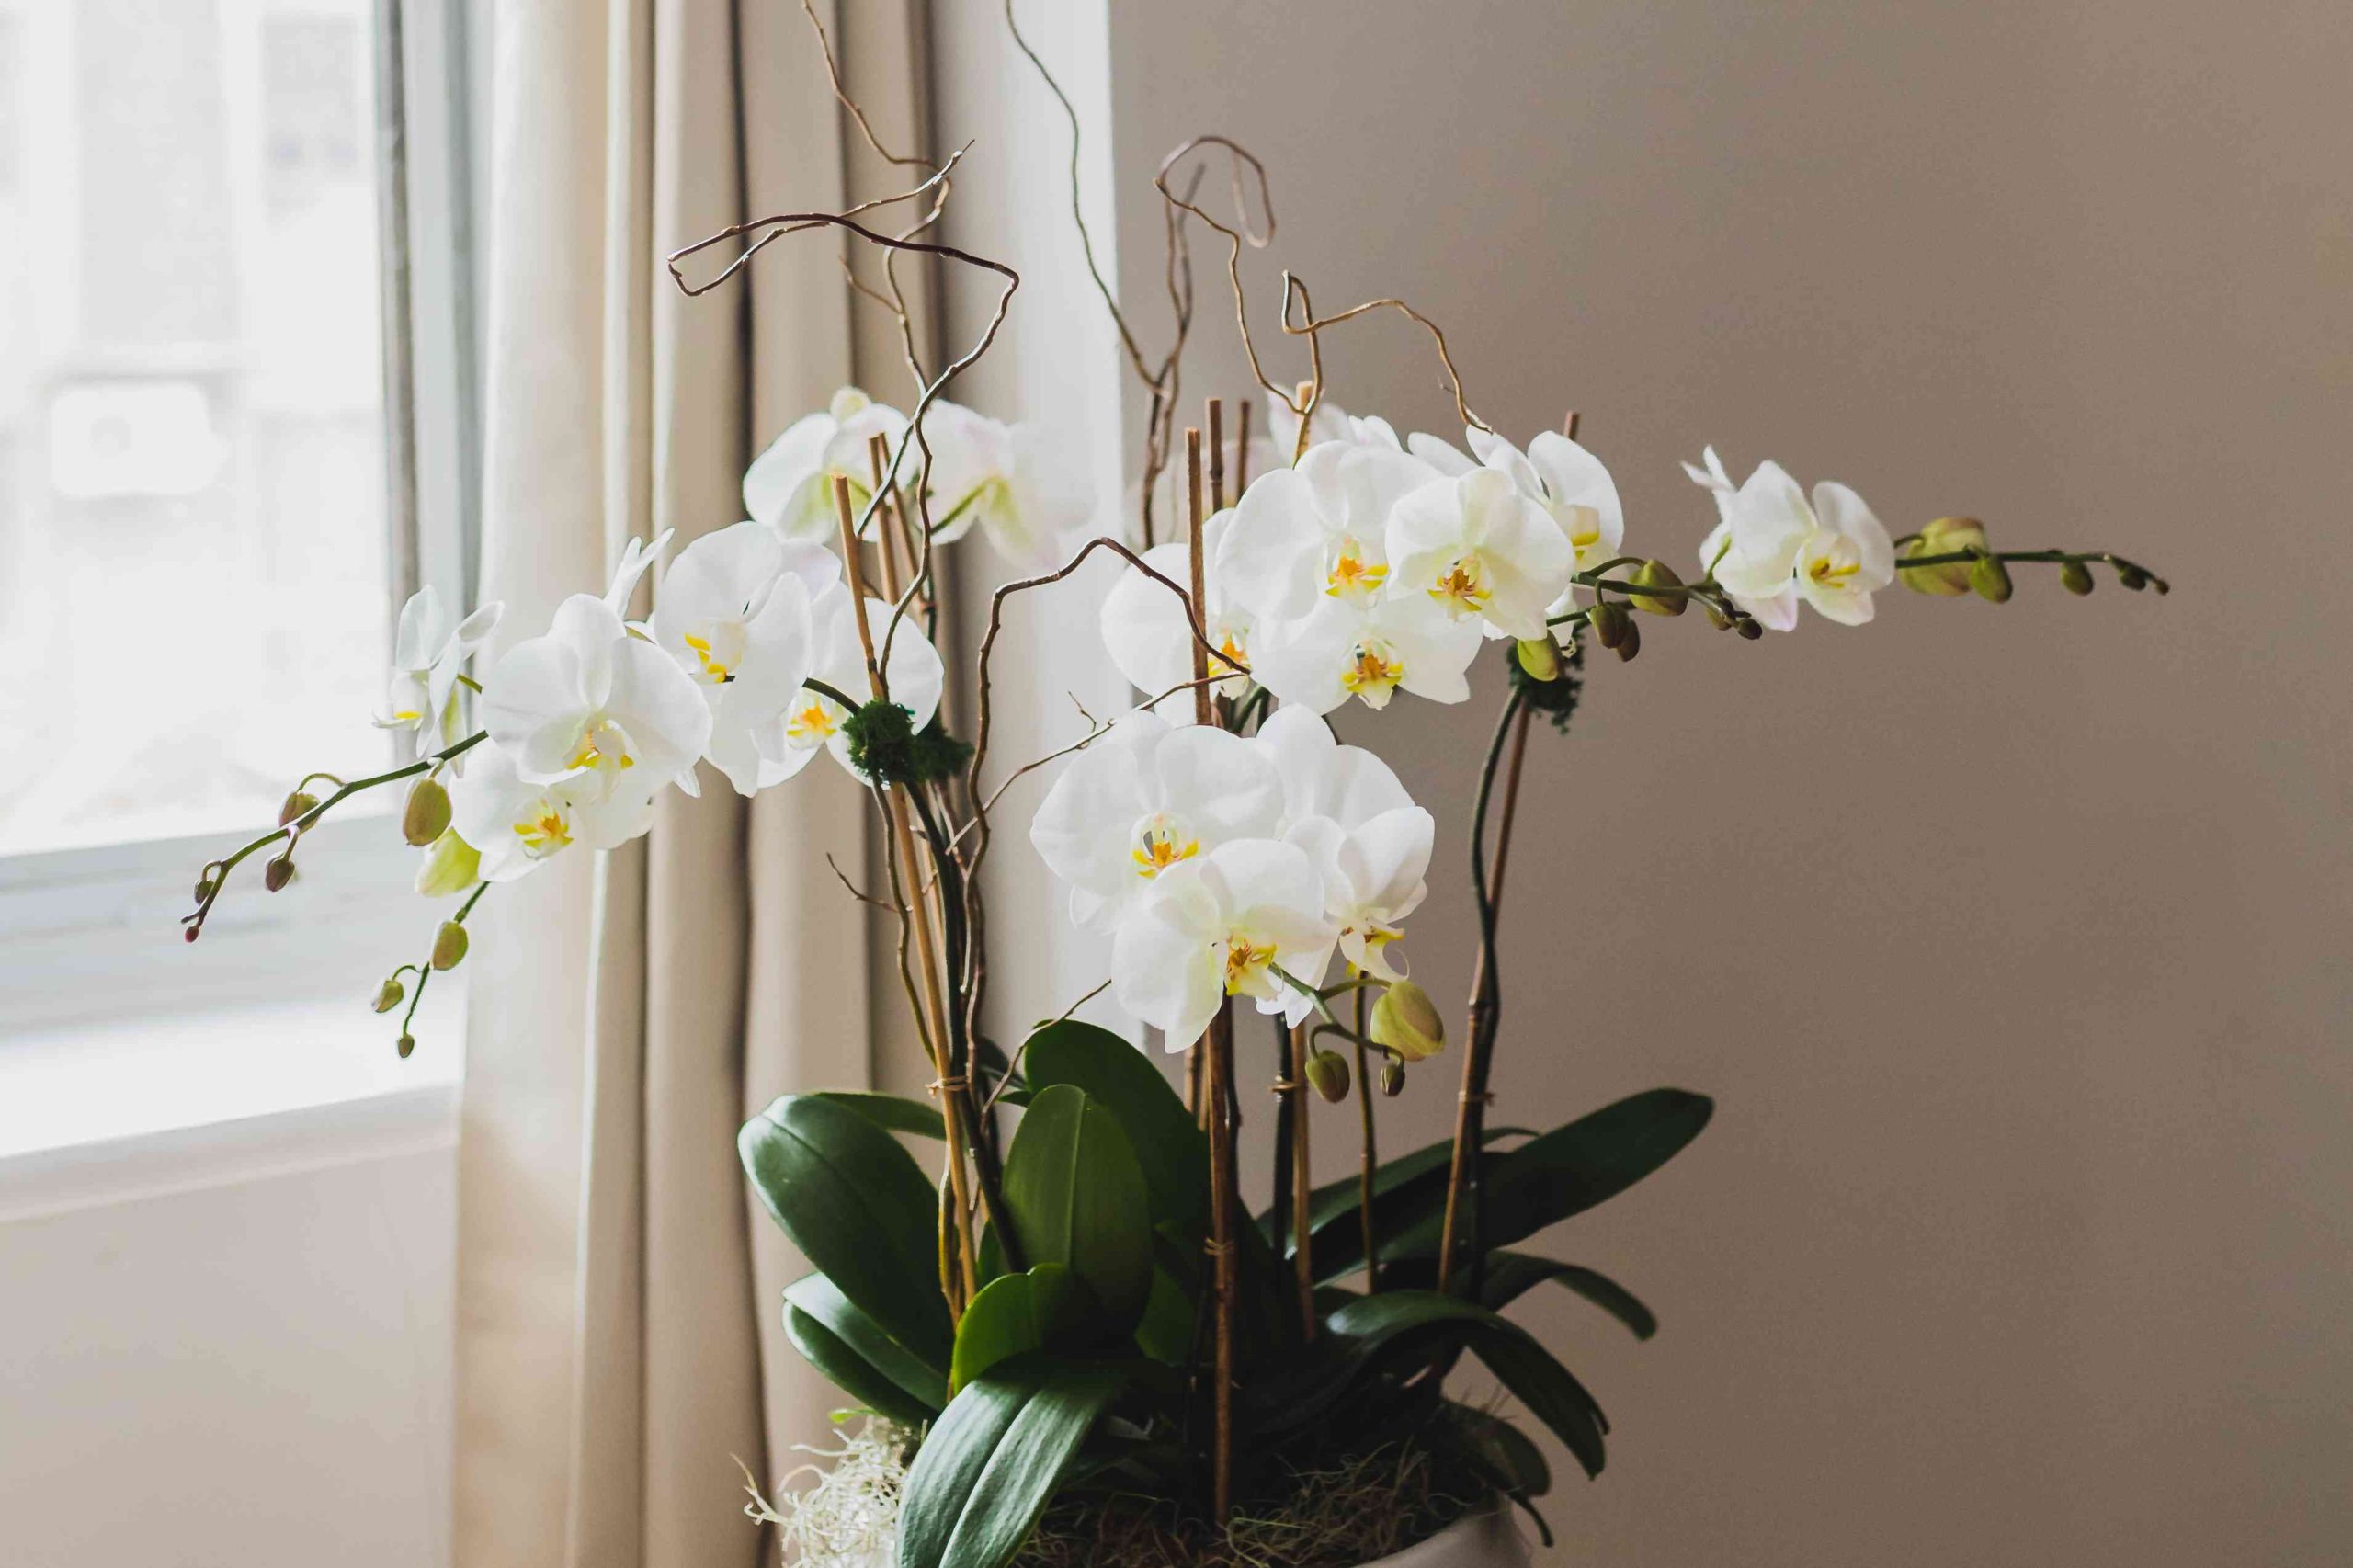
[[934, 1023]]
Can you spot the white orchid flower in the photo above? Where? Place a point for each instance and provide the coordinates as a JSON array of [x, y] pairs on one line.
[[1331, 423], [1441, 454], [1752, 549], [1146, 629], [1223, 925], [1368, 649], [1569, 483], [736, 614], [1371, 844], [790, 486], [1846, 559], [910, 668], [428, 655], [1477, 547], [517, 824], [1374, 875], [591, 697], [1316, 530], [1148, 796], [638, 557], [1000, 477]]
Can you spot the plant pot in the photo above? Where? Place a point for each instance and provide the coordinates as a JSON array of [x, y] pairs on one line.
[[1489, 1538]]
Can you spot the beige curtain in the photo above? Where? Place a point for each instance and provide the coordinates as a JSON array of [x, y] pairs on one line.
[[617, 1337]]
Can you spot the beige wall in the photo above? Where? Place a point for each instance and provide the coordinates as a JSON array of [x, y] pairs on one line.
[[2011, 938]]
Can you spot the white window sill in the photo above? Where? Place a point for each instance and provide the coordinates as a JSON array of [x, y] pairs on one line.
[[107, 1111]]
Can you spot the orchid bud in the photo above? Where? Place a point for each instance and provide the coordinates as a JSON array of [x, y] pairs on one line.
[[1405, 1021], [1991, 579], [299, 803], [1630, 643], [2076, 578], [2132, 577], [405, 1044], [1658, 575], [1609, 622], [450, 866], [1393, 1078], [1946, 536], [448, 945], [426, 815], [278, 872], [390, 995], [1328, 1073], [1539, 658], [203, 888], [1749, 627]]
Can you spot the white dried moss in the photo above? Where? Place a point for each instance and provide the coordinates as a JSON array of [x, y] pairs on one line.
[[841, 1509]]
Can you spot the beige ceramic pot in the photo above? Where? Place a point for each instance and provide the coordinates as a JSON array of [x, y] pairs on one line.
[[1489, 1538]]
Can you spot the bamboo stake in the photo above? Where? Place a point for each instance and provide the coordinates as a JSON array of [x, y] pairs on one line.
[[935, 1019], [1216, 455], [1242, 449], [1217, 1072]]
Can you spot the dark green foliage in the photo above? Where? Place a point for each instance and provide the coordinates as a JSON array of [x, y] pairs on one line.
[[885, 746], [1081, 1378]]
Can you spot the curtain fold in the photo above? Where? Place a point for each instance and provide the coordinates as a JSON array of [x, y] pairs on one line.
[[618, 1343]]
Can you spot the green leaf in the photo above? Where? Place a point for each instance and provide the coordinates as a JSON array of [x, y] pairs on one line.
[[1075, 1195], [818, 1297], [1172, 1150], [1505, 1455], [1044, 1309], [993, 1459], [1366, 1336], [893, 1113], [1571, 1170], [1511, 1275], [850, 1371], [860, 1209]]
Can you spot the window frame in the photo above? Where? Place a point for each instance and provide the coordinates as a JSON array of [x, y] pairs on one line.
[[90, 933]]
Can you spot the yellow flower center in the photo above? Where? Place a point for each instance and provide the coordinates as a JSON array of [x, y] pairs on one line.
[[1245, 962], [1161, 844], [1372, 668], [811, 724], [602, 744], [713, 670], [1834, 567], [1232, 648], [1350, 576], [1463, 589], [544, 829], [1584, 528]]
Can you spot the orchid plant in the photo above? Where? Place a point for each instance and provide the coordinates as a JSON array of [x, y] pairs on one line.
[[1077, 1306]]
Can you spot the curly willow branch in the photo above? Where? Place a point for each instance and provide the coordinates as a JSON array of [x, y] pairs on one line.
[[777, 227], [1311, 329], [976, 977]]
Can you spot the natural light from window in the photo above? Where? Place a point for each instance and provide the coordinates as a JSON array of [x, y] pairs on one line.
[[193, 562]]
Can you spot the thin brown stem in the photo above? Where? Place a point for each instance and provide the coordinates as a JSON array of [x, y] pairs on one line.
[[1371, 1159]]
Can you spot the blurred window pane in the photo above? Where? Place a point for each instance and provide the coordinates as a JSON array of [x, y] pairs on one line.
[[192, 545]]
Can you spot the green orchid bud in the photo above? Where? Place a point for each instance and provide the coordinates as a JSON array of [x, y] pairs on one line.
[[426, 815], [390, 995], [1630, 644], [1946, 536], [1539, 658], [278, 872], [299, 803], [1658, 575], [2132, 577], [1405, 1021], [1393, 1078], [448, 945], [2076, 578], [1991, 579], [1749, 627], [203, 889], [1328, 1073], [450, 866], [1609, 622], [405, 1044]]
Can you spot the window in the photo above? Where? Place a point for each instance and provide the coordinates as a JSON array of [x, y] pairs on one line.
[[199, 561]]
